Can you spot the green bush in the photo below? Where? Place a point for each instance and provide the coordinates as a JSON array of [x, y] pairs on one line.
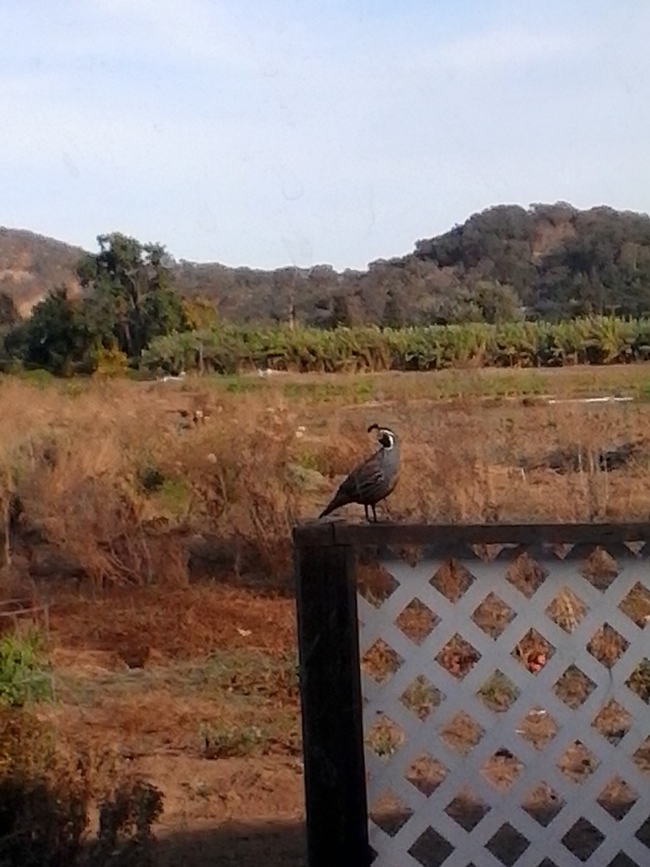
[[23, 675]]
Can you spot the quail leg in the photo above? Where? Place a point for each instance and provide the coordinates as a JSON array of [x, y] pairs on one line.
[[374, 513], [365, 508]]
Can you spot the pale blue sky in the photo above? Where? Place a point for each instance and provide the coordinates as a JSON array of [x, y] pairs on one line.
[[266, 133]]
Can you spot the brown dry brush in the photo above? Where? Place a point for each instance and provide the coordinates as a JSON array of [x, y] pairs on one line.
[[118, 484], [47, 796], [111, 485]]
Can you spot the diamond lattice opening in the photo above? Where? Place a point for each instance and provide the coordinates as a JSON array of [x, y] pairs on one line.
[[421, 697], [430, 849], [543, 804], [574, 687], [467, 809], [607, 645], [639, 681], [380, 661], [643, 834], [623, 860], [374, 582], [533, 651], [641, 757], [613, 722], [583, 839], [384, 737], [498, 692], [599, 568], [453, 580], [526, 574], [493, 615], [458, 657], [389, 813], [567, 610], [411, 554], [636, 605], [538, 728], [417, 621], [426, 774], [577, 762], [507, 845], [501, 769], [461, 733], [617, 798]]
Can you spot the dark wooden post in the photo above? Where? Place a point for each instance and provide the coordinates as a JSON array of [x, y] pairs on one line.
[[330, 690]]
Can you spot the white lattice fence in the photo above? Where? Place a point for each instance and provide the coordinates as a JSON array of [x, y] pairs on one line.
[[506, 717]]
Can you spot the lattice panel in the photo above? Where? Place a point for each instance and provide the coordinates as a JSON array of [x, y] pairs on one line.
[[506, 717]]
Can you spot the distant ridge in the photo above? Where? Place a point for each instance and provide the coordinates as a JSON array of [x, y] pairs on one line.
[[546, 260]]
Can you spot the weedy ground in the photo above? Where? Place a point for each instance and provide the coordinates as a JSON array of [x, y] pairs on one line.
[[153, 519]]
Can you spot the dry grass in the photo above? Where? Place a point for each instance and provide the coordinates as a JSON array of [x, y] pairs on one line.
[[111, 486], [112, 483]]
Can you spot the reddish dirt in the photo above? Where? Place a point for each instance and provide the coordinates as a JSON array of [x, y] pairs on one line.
[[187, 623], [240, 812], [226, 811]]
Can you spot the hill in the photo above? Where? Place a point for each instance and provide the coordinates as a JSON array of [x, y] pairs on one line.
[[31, 265], [507, 262]]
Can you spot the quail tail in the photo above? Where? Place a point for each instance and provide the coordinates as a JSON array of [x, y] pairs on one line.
[[331, 507]]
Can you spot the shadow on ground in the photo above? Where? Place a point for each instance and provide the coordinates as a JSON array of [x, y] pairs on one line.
[[273, 844]]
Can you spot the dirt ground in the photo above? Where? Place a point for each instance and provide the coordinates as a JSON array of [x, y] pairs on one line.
[[215, 726]]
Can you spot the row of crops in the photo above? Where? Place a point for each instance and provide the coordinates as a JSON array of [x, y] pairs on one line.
[[236, 349]]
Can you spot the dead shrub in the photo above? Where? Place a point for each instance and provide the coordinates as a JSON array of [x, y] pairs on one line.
[[46, 798]]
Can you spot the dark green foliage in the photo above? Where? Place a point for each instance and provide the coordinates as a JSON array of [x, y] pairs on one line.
[[57, 336], [546, 261], [129, 300], [151, 478], [132, 295]]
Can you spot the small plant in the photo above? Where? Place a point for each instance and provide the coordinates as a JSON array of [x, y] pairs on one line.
[[225, 741], [23, 676], [151, 478], [176, 494]]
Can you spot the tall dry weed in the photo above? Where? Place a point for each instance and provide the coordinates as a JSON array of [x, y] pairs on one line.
[[123, 480]]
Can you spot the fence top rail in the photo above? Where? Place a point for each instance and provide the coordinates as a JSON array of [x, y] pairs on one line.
[[327, 533]]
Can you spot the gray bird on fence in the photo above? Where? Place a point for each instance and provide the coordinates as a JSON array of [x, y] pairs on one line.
[[373, 480]]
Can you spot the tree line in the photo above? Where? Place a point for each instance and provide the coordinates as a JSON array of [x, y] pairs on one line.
[[507, 267], [504, 264]]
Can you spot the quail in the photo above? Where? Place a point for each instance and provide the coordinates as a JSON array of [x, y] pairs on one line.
[[373, 480]]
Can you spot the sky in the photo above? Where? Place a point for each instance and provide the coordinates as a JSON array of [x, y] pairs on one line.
[[275, 132]]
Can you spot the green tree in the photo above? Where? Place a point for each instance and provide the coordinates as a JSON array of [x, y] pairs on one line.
[[497, 302], [131, 292], [57, 336]]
